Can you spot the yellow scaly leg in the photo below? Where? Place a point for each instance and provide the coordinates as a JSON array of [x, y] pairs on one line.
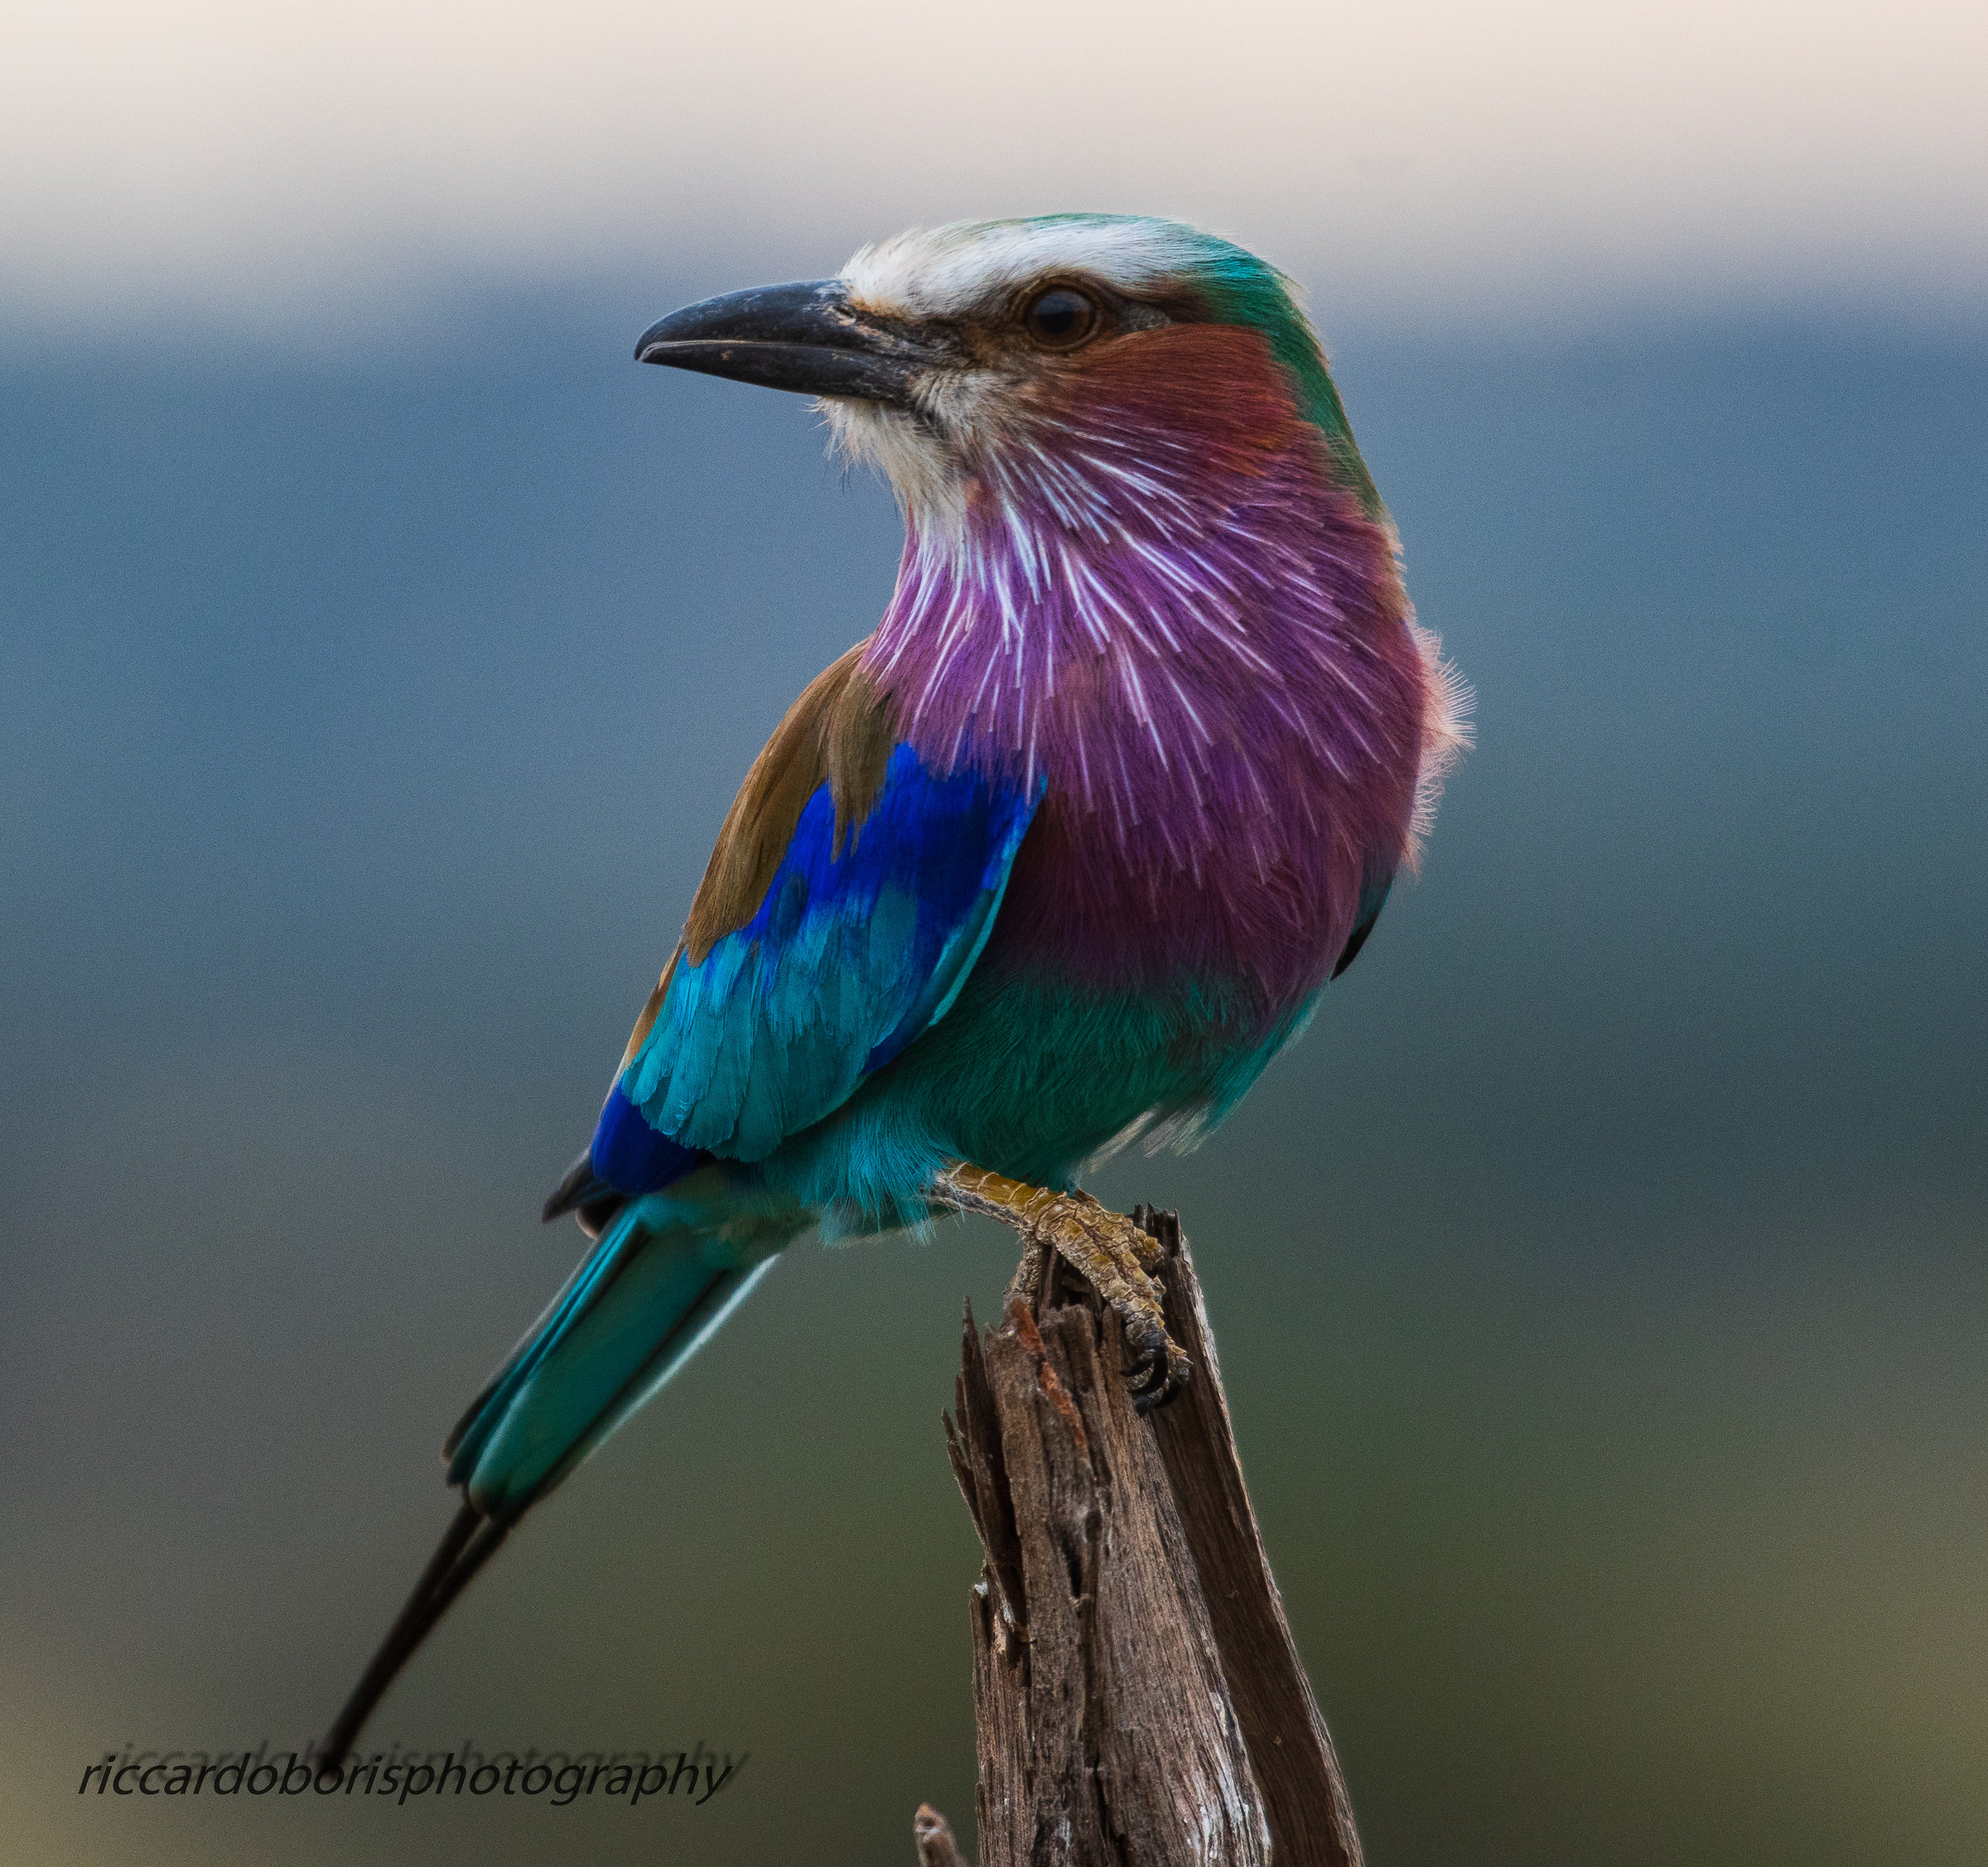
[[1113, 1255]]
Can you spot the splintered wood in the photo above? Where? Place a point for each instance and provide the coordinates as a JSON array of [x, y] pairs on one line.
[[1136, 1693]]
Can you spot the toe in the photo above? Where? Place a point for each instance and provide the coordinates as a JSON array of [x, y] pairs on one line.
[[1156, 1370], [1178, 1371]]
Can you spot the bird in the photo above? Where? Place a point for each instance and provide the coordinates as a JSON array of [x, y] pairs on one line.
[[1060, 856]]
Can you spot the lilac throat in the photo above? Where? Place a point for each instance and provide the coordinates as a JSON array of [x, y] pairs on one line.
[[1212, 665]]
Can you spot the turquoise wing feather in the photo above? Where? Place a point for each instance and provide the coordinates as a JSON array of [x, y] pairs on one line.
[[862, 940]]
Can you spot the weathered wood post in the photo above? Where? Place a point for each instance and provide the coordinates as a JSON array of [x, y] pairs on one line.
[[1138, 1696]]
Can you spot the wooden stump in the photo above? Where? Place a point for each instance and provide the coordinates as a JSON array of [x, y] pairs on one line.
[[1137, 1696]]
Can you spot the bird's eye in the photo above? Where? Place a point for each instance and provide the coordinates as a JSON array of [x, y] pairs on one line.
[[1060, 319]]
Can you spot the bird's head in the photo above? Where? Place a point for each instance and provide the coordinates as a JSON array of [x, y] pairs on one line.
[[980, 354]]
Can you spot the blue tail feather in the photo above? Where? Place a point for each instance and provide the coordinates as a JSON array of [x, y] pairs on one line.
[[637, 1308]]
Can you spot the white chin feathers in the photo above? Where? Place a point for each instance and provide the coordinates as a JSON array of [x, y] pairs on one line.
[[906, 451], [927, 456]]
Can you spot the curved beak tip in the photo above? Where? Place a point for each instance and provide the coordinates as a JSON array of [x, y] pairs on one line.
[[649, 343]]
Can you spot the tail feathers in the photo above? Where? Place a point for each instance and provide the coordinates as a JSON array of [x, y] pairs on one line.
[[641, 1302], [471, 1541], [583, 1191], [640, 1306]]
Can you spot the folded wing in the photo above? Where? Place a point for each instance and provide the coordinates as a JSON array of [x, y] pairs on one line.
[[852, 889]]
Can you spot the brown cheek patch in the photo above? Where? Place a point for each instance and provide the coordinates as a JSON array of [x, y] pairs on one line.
[[1215, 384], [840, 730]]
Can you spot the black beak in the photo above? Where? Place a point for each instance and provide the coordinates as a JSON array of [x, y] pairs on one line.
[[807, 338]]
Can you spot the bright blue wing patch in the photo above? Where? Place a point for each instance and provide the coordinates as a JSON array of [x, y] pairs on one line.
[[629, 1156], [852, 955]]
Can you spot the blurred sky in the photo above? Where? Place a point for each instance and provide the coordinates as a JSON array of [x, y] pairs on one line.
[[1600, 1285], [230, 160]]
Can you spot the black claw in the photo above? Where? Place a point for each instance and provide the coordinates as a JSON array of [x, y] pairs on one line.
[[1177, 1378]]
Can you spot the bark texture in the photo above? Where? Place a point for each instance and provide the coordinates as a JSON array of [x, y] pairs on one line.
[[1137, 1696]]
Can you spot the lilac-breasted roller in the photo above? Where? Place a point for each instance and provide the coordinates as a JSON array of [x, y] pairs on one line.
[[1064, 853]]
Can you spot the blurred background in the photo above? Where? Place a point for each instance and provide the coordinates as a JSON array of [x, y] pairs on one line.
[[1600, 1285]]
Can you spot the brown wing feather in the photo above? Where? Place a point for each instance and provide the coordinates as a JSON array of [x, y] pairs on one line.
[[841, 729]]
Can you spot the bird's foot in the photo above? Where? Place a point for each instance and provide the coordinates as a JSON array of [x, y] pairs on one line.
[[1114, 1254]]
